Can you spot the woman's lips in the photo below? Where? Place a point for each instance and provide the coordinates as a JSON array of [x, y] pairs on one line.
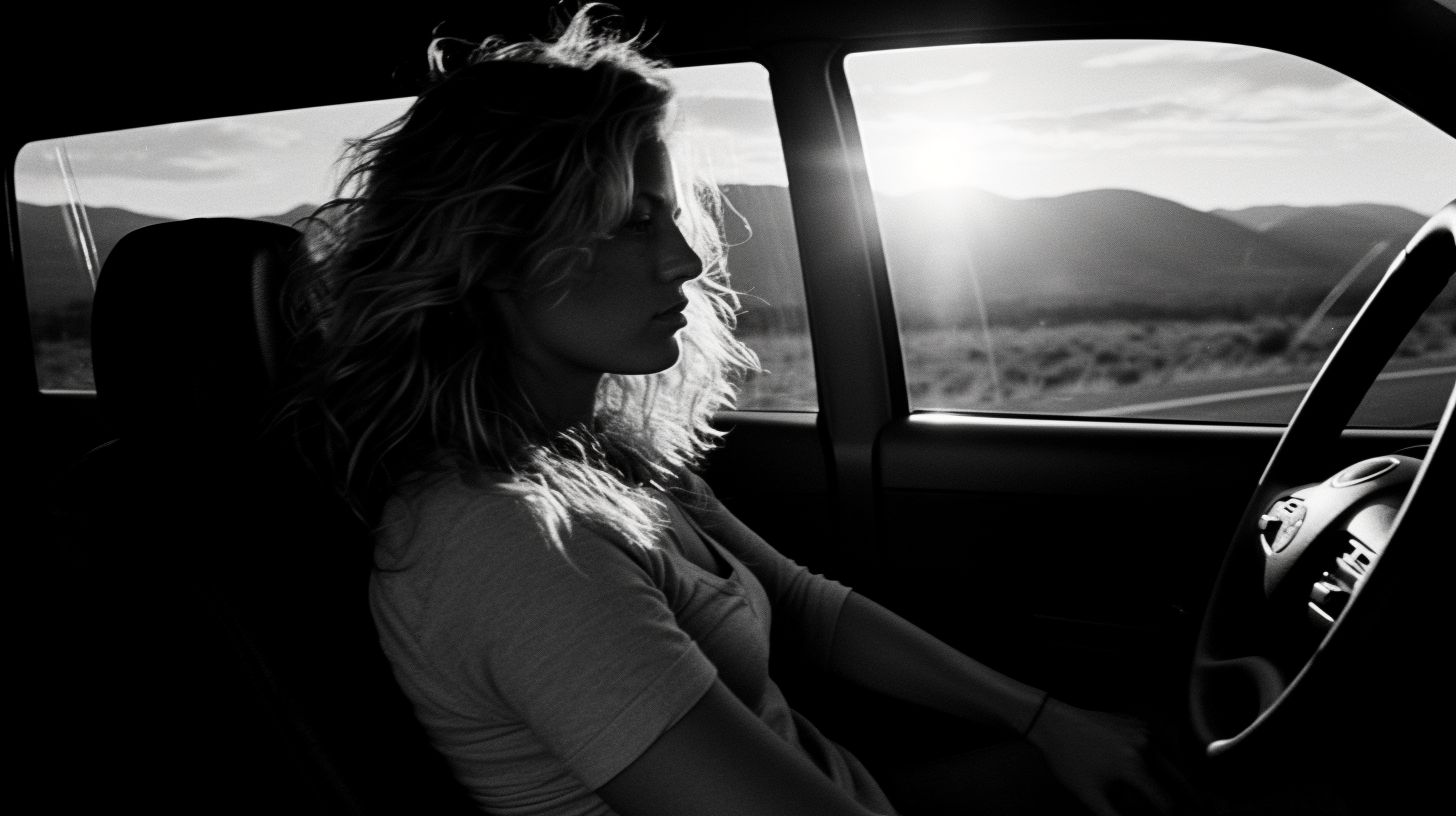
[[673, 314]]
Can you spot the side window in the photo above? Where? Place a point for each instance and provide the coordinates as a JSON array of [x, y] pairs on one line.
[[1170, 230], [732, 138], [79, 195]]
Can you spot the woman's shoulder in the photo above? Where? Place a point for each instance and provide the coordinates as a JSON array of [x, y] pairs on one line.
[[448, 500], [460, 520], [693, 493]]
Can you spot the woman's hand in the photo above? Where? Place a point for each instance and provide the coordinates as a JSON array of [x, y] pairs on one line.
[[1106, 761]]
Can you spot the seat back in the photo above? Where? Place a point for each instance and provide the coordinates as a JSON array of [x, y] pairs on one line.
[[186, 332], [237, 582]]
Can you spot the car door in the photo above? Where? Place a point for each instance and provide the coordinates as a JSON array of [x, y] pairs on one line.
[[1042, 411]]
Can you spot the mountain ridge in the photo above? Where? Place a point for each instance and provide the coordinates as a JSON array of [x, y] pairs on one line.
[[1032, 258]]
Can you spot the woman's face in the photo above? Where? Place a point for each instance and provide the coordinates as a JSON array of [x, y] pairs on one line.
[[621, 314]]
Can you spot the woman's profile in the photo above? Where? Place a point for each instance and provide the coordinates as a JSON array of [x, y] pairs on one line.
[[523, 328]]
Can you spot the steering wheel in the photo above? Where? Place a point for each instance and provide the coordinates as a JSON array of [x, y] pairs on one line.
[[1323, 588]]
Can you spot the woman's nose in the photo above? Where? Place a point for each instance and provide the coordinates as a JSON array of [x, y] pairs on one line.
[[679, 262]]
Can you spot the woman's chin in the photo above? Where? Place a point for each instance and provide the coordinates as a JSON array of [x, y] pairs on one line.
[[654, 362]]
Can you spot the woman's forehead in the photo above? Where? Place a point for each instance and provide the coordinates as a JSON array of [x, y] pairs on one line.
[[652, 173]]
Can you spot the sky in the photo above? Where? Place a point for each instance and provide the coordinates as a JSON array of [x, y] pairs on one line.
[[1207, 125]]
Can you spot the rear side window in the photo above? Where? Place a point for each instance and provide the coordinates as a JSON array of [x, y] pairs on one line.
[[1167, 230], [79, 195]]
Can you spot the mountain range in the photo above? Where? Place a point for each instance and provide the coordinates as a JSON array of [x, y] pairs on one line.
[[1090, 254], [1086, 254]]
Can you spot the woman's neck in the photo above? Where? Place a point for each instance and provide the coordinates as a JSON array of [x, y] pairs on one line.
[[560, 401]]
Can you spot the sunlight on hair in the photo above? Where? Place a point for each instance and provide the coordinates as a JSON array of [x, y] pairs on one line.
[[503, 175]]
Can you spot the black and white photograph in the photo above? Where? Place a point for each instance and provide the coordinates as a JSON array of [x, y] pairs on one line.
[[798, 408]]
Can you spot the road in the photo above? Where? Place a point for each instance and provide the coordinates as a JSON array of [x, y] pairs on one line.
[[1398, 399]]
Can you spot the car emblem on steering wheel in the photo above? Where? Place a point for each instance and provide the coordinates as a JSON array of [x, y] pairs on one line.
[[1281, 523]]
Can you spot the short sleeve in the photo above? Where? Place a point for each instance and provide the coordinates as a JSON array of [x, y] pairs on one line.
[[581, 647]]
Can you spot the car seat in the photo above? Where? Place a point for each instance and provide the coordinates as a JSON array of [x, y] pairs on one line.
[[226, 660]]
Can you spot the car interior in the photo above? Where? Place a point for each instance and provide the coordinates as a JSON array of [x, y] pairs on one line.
[[191, 598]]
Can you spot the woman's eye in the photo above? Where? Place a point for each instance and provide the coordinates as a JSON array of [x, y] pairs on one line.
[[637, 223]]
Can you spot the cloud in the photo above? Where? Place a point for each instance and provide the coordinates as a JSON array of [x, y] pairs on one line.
[[736, 112], [734, 156], [744, 80], [193, 151], [1223, 119], [1172, 52], [925, 86], [1221, 107], [1259, 67], [1232, 151], [1338, 105]]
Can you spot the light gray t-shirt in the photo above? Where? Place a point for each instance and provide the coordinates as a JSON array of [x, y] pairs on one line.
[[541, 675]]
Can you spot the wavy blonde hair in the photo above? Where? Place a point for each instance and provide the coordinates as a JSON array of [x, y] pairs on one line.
[[512, 164]]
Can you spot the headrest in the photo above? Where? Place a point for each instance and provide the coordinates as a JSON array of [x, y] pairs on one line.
[[186, 327]]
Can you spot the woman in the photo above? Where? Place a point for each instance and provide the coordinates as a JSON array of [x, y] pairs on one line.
[[525, 329]]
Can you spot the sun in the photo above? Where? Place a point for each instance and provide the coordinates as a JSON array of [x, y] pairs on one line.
[[941, 161]]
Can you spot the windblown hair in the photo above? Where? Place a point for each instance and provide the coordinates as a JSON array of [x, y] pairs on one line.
[[510, 166]]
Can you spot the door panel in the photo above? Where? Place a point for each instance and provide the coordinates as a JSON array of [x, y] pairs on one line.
[[1074, 554], [772, 472]]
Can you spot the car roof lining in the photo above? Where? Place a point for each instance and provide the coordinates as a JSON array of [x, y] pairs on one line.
[[83, 72]]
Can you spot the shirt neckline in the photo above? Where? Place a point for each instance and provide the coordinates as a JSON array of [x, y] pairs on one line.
[[729, 567]]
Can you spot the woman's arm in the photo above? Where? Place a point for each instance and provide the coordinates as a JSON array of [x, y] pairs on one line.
[[879, 650], [720, 760], [1097, 756]]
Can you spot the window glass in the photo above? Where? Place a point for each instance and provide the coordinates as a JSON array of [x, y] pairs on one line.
[[1171, 230], [79, 195], [731, 137]]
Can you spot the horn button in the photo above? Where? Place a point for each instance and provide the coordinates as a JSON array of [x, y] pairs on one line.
[[1343, 519]]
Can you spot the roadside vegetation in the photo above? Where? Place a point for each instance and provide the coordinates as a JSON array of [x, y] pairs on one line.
[[1021, 367], [1098, 362]]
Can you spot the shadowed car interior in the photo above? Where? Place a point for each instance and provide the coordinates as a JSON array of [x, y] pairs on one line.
[[1135, 381]]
